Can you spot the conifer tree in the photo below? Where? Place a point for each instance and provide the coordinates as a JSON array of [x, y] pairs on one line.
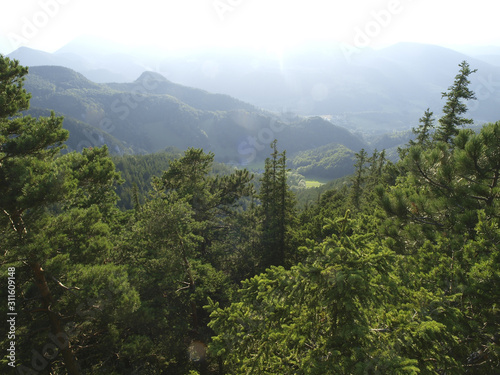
[[455, 107], [423, 132], [325, 315], [377, 163], [184, 235], [29, 179], [276, 209], [359, 177], [55, 217], [210, 197], [438, 211], [13, 97]]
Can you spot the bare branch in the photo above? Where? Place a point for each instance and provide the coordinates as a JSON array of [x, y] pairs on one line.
[[64, 286], [380, 330]]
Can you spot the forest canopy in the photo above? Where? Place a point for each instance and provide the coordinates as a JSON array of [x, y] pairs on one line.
[[395, 272]]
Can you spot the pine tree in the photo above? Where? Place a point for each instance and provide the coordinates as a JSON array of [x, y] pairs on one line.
[[455, 107], [359, 177], [375, 171], [277, 207], [29, 179], [318, 317], [438, 211], [423, 132], [55, 215], [211, 197], [185, 236], [13, 97]]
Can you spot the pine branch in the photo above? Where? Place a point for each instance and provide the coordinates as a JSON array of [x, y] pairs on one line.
[[432, 182]]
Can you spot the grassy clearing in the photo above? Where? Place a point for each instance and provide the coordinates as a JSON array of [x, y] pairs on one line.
[[313, 183]]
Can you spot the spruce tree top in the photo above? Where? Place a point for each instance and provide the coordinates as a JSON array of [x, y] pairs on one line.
[[455, 107]]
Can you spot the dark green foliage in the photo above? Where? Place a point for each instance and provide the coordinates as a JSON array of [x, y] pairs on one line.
[[13, 97], [184, 247], [459, 180], [210, 197], [440, 220], [139, 170], [315, 318], [438, 211], [28, 173], [55, 221], [369, 172], [359, 177], [394, 270], [276, 210]]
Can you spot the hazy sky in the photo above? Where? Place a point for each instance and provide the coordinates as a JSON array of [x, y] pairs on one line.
[[268, 24]]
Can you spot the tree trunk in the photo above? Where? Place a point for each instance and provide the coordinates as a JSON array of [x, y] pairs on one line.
[[55, 324]]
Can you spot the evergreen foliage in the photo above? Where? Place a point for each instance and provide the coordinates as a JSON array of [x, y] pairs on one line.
[[395, 270], [277, 209], [423, 132], [455, 107]]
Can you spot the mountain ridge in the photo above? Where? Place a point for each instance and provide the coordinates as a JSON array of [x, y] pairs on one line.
[[143, 118], [371, 92]]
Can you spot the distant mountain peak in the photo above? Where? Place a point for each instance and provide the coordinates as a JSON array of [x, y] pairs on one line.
[[62, 77], [148, 76], [30, 57], [27, 49]]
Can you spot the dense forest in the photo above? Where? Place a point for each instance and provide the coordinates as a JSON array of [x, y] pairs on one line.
[[209, 269]]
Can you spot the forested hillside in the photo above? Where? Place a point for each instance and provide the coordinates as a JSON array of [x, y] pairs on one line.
[[396, 271], [152, 113]]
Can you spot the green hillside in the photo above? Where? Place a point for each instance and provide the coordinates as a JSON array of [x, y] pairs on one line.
[[152, 113], [327, 162]]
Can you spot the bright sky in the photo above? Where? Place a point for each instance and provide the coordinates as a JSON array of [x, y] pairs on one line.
[[270, 24]]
